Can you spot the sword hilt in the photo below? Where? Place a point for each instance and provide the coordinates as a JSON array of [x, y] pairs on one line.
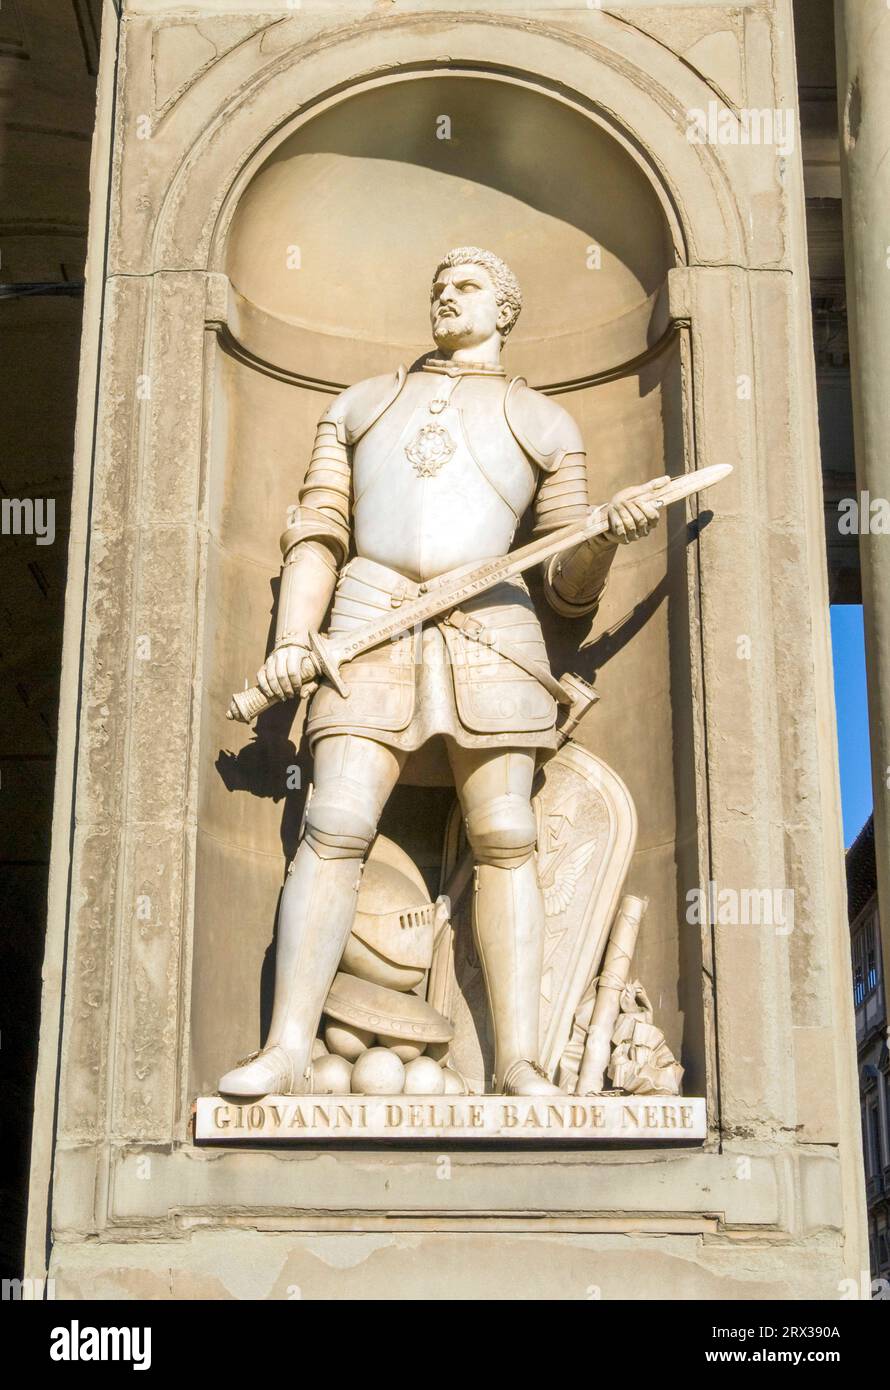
[[246, 705], [326, 663]]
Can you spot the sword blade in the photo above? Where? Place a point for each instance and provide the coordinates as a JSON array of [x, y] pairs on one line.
[[452, 589]]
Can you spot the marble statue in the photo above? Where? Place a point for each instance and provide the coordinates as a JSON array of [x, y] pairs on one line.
[[414, 475]]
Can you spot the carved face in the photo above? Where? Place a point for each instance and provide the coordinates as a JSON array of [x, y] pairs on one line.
[[464, 311]]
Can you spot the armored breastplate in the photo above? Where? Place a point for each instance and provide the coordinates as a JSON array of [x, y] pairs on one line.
[[439, 480]]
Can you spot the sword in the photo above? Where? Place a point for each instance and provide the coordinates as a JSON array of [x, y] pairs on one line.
[[442, 595]]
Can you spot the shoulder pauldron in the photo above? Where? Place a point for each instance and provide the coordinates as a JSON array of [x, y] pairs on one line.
[[543, 429], [360, 406]]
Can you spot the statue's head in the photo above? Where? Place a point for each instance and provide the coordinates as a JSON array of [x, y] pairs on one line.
[[474, 295]]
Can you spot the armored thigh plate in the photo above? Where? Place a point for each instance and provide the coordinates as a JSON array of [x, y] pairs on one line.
[[415, 688], [493, 694], [381, 682]]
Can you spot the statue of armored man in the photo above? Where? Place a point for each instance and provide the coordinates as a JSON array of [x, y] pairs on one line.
[[413, 476]]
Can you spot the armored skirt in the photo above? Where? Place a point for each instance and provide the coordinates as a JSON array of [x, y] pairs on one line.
[[436, 680]]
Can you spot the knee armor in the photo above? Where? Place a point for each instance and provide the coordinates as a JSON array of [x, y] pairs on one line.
[[339, 821], [503, 831]]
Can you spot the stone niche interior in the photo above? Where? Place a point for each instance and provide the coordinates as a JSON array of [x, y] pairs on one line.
[[329, 256]]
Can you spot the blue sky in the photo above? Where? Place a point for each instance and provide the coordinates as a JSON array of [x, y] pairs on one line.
[[848, 643]]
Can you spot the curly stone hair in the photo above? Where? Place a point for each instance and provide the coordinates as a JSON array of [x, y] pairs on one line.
[[506, 286]]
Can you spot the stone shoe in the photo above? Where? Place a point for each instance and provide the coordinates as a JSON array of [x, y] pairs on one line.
[[528, 1079], [268, 1073]]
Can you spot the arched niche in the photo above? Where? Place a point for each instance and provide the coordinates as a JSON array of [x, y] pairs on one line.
[[328, 254], [332, 245]]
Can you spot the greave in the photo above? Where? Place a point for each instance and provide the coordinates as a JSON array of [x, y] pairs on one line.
[[508, 923], [316, 915]]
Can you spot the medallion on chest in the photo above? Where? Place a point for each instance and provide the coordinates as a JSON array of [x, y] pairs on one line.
[[432, 445]]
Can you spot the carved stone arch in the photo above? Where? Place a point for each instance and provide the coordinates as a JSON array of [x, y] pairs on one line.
[[627, 82]]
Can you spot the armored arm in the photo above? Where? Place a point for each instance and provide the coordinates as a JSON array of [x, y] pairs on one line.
[[573, 582], [316, 540]]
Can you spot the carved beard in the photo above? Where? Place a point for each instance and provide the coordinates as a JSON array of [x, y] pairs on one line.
[[451, 331]]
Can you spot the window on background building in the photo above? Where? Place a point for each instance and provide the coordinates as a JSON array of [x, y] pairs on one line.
[[866, 975], [863, 1115], [871, 957], [873, 1139]]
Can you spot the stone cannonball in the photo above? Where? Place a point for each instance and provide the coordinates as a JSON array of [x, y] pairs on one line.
[[378, 1072], [331, 1076], [423, 1077], [346, 1040], [407, 1051]]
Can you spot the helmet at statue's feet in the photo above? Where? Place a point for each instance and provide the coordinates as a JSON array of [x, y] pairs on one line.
[[528, 1079], [272, 1072]]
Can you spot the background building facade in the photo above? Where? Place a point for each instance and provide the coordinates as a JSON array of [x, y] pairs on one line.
[[870, 1000]]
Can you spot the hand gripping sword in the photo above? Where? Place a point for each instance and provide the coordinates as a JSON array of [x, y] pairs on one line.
[[327, 654]]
